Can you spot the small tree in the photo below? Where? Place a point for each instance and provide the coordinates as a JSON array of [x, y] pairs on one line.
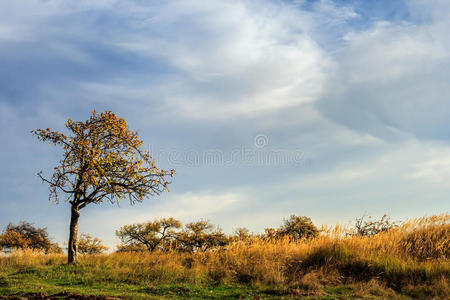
[[297, 227], [153, 234], [26, 236], [201, 235], [89, 245], [102, 160]]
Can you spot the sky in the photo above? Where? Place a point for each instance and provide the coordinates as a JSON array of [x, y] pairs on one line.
[[266, 108]]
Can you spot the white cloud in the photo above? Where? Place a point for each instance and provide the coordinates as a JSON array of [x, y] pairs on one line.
[[391, 80], [433, 166], [390, 52], [234, 57], [335, 14]]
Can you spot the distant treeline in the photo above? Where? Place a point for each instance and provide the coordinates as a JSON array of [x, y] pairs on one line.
[[168, 234]]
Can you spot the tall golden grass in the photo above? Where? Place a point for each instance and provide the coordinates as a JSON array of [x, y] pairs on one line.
[[412, 258]]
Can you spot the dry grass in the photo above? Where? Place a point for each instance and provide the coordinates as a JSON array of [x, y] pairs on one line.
[[412, 259]]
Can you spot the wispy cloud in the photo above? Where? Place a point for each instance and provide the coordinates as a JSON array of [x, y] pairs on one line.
[[391, 79]]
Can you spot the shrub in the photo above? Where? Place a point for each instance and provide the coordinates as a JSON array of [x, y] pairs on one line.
[[369, 226], [89, 245], [297, 227]]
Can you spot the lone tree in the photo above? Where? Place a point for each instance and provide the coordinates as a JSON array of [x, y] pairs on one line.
[[102, 160]]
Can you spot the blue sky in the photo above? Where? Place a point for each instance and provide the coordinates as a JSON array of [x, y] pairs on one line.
[[329, 109]]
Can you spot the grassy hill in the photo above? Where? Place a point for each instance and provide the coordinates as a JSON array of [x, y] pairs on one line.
[[409, 261]]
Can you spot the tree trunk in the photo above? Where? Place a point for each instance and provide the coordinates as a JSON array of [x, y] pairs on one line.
[[73, 235]]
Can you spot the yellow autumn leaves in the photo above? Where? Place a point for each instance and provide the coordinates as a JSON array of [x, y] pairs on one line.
[[103, 155]]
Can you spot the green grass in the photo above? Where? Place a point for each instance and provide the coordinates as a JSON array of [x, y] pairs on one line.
[[87, 280], [326, 273]]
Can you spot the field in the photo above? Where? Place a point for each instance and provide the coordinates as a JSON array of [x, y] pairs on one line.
[[410, 261]]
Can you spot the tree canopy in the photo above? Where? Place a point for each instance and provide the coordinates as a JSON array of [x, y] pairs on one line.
[[102, 159]]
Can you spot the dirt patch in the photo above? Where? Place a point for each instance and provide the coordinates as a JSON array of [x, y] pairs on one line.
[[63, 295]]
